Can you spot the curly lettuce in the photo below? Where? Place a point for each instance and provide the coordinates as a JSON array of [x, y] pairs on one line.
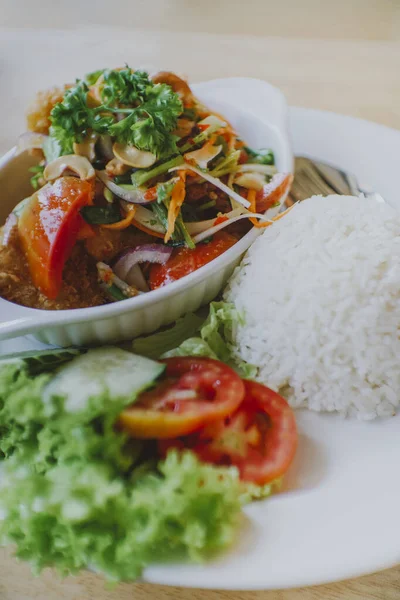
[[214, 339], [77, 493], [80, 514]]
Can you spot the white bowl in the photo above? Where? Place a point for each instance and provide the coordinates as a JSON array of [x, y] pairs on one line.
[[258, 111]]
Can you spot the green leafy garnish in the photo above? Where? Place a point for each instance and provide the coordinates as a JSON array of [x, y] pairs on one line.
[[72, 119], [151, 113], [125, 87], [211, 337], [157, 344], [38, 173], [76, 492], [91, 516], [91, 78], [149, 126], [101, 215], [261, 157], [215, 339]]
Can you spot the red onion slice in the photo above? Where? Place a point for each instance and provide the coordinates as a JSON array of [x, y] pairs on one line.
[[136, 278], [153, 253], [134, 196]]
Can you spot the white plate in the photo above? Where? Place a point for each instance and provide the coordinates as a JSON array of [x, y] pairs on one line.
[[339, 514]]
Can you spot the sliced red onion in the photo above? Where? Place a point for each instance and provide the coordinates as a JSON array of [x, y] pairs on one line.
[[196, 227], [30, 140], [9, 225], [215, 181], [136, 278], [146, 217], [209, 232], [153, 253], [134, 196], [108, 278]]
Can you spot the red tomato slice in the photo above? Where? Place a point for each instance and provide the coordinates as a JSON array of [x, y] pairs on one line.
[[273, 191], [194, 392], [49, 227], [260, 438], [184, 260]]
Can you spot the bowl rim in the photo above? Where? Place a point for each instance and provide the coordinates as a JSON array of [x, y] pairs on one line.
[[38, 317]]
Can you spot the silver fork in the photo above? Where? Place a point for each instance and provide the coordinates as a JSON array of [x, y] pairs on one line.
[[313, 177]]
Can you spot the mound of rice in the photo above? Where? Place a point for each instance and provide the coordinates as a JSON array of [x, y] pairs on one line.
[[320, 293]]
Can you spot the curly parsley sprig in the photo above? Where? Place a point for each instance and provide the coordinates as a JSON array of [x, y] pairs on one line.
[[151, 112]]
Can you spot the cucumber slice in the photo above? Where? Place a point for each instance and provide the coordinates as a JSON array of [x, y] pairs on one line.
[[38, 361], [110, 370]]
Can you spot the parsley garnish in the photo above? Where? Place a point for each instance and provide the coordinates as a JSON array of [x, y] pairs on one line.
[[72, 119], [151, 113]]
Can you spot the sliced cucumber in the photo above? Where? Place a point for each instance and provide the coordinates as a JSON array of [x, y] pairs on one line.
[[110, 370], [38, 361]]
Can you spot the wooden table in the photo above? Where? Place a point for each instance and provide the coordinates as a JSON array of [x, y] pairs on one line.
[[342, 56]]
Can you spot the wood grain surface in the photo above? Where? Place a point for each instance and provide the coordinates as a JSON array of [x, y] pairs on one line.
[[342, 56]]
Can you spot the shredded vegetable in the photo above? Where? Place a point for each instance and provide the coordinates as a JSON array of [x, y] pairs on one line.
[[177, 199], [215, 181]]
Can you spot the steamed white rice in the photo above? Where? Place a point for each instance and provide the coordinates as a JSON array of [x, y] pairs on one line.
[[320, 292]]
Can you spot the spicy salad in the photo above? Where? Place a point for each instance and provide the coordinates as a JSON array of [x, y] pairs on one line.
[[137, 184]]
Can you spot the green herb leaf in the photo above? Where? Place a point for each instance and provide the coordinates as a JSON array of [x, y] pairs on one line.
[[101, 215], [155, 110], [215, 339], [91, 78], [125, 87], [261, 157], [72, 119], [155, 345]]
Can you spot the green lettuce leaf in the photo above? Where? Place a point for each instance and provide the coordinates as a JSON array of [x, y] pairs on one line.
[[153, 346], [215, 340], [76, 492], [79, 514]]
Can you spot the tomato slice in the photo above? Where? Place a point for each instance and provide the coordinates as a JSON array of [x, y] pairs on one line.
[[260, 438], [49, 227], [273, 191], [184, 260], [194, 392]]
